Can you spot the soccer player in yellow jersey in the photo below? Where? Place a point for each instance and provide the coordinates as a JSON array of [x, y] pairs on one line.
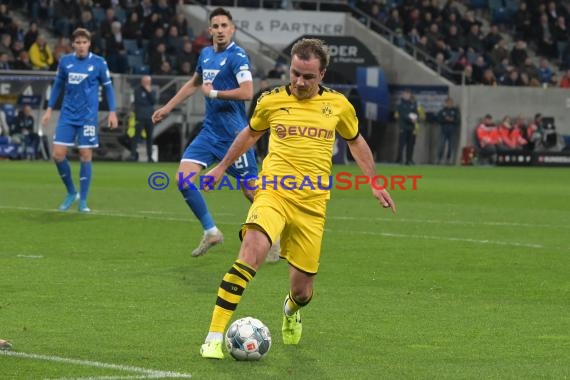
[[302, 119]]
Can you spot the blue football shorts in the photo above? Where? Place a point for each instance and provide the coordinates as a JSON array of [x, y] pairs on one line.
[[84, 136], [203, 151]]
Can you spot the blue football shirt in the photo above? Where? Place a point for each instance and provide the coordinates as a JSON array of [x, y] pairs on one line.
[[225, 69], [81, 78]]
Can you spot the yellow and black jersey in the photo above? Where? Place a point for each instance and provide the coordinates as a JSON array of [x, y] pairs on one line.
[[302, 135]]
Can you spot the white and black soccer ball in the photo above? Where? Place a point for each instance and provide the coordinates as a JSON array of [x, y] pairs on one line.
[[248, 339]]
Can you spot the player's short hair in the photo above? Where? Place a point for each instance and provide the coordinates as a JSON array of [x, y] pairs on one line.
[[221, 12], [80, 32], [308, 48]]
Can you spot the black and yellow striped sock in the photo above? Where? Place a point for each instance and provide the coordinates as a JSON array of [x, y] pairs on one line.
[[291, 305], [229, 294]]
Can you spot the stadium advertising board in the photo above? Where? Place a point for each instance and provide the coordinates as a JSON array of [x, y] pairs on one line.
[[521, 158], [280, 27]]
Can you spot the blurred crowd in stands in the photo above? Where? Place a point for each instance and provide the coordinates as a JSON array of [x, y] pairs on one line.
[[524, 43], [137, 37], [150, 37]]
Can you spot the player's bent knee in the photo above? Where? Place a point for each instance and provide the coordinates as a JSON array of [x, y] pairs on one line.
[[254, 248], [58, 157]]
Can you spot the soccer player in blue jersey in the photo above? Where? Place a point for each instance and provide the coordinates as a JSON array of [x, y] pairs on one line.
[[79, 74], [223, 74]]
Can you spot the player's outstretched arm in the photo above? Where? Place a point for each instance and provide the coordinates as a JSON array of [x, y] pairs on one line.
[[186, 91], [243, 92], [363, 157]]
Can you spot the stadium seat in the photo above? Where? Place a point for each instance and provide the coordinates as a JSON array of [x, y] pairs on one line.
[[132, 47], [98, 14], [121, 15], [478, 4], [137, 65]]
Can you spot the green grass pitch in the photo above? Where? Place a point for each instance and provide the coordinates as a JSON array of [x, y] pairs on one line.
[[470, 280]]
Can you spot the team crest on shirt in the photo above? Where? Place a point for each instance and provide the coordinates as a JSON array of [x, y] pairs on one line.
[[326, 109], [252, 218]]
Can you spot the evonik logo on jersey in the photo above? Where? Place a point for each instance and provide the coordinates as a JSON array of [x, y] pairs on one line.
[[76, 78], [282, 131], [208, 76]]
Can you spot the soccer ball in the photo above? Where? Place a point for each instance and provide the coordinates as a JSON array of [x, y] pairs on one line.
[[248, 339]]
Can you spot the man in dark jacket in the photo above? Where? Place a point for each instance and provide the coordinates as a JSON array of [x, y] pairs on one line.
[[23, 130], [145, 99], [449, 121], [407, 117]]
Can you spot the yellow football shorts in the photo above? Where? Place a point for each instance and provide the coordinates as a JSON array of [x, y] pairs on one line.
[[299, 225]]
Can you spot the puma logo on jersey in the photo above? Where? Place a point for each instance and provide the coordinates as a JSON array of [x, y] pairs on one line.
[[206, 60], [76, 78], [223, 62], [286, 109], [69, 66]]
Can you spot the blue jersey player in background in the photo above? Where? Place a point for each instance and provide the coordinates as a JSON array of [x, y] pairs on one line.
[[223, 74], [80, 74]]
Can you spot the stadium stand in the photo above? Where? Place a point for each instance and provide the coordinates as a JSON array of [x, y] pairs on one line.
[[489, 42]]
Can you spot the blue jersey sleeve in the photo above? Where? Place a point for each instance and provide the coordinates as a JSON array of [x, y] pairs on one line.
[[57, 85], [199, 68], [240, 67], [107, 83], [240, 62], [104, 74]]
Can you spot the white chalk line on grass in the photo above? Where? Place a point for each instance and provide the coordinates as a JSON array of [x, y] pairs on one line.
[[146, 373], [104, 378], [456, 222], [459, 239], [160, 215], [385, 234], [30, 256]]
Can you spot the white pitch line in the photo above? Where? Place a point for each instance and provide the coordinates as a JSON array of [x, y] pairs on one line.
[[149, 373], [105, 378], [433, 237], [386, 234], [156, 215], [457, 222]]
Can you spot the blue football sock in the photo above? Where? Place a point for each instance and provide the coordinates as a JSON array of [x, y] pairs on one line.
[[197, 204], [64, 170], [84, 179]]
